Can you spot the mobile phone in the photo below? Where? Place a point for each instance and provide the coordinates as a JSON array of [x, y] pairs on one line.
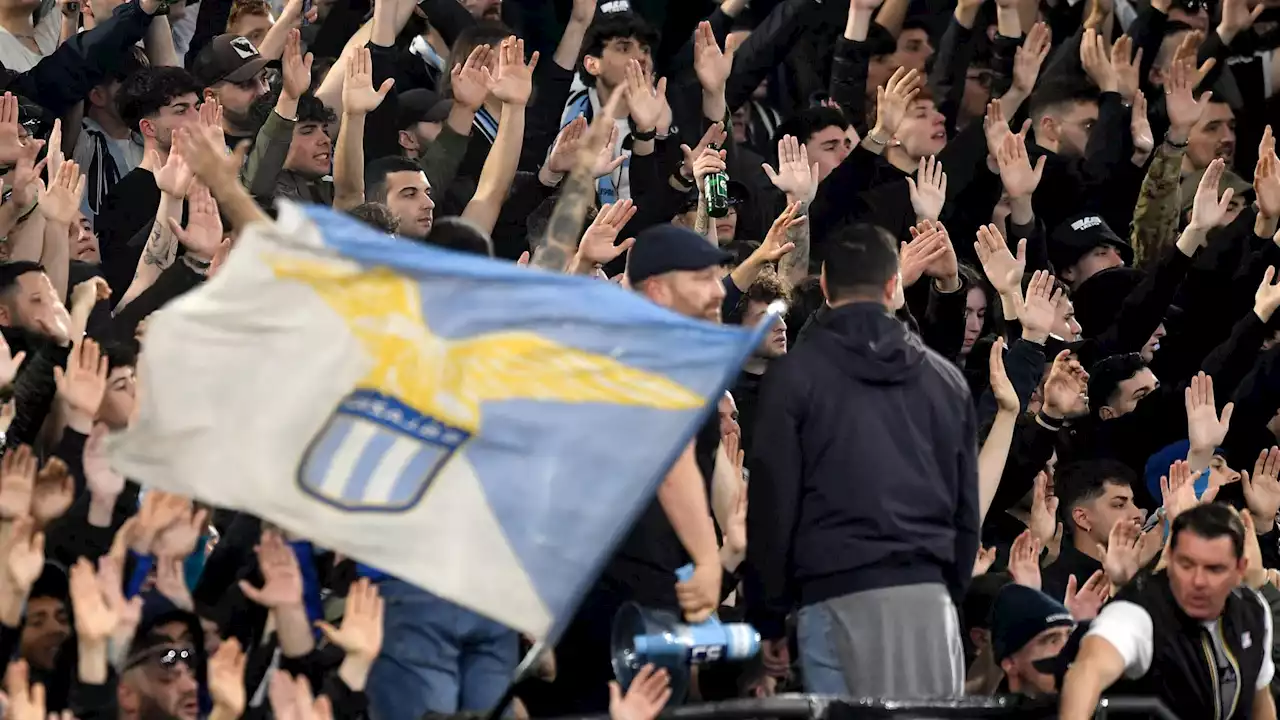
[[306, 10]]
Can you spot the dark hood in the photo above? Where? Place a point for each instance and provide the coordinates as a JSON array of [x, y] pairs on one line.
[[869, 344]]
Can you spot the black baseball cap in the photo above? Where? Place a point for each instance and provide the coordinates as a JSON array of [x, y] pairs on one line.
[[669, 248], [1080, 233], [421, 105], [229, 58], [1019, 615]]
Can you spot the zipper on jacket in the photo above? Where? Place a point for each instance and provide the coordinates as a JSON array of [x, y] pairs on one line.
[[1213, 674]]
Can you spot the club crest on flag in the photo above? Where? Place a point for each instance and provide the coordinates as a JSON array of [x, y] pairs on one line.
[[377, 454]]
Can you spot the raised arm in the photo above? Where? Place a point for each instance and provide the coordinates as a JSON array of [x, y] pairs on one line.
[[513, 86], [359, 98], [798, 180], [564, 228]]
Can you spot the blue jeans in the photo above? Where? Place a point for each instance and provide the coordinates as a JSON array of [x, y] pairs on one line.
[[437, 657], [815, 634]]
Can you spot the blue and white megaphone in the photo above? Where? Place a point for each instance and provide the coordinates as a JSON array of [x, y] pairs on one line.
[[643, 636]]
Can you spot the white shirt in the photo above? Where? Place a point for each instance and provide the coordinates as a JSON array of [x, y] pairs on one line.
[[1127, 626], [17, 57]]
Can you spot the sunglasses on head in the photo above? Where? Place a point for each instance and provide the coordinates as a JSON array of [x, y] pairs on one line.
[[165, 657]]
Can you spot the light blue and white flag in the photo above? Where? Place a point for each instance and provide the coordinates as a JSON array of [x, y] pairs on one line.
[[485, 431]]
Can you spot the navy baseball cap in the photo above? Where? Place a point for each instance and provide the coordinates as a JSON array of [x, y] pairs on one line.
[[669, 248], [1019, 615]]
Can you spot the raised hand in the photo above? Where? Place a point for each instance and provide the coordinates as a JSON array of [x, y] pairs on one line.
[[226, 678], [1001, 387], [17, 481], [1266, 176], [1267, 298], [11, 147], [1024, 561], [1205, 429], [282, 579], [1178, 490], [1020, 180], [930, 193], [1180, 103], [1262, 488], [715, 135], [1096, 63], [296, 68], [1066, 389], [986, 558], [178, 539], [712, 65], [1003, 270], [599, 244], [1029, 58], [645, 103], [1122, 561], [25, 179], [359, 97], [203, 234], [514, 82], [1126, 64], [90, 292], [100, 479], [470, 81], [712, 161], [775, 243], [291, 699], [174, 177], [25, 701], [1208, 210], [795, 176], [1044, 511], [1237, 16], [204, 148], [1144, 140], [945, 268], [9, 363], [61, 200], [1084, 604], [645, 698], [171, 582], [159, 511], [915, 257], [24, 555], [1255, 573], [95, 619], [53, 492], [892, 101], [82, 385], [361, 632]]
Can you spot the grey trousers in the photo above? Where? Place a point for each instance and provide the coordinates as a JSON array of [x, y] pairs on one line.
[[898, 642]]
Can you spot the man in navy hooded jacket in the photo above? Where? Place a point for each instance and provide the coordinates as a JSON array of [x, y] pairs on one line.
[[864, 491]]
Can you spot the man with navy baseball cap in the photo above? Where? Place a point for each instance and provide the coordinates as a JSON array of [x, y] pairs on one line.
[[679, 270]]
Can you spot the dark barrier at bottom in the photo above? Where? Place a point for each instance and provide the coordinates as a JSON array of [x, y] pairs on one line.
[[820, 707]]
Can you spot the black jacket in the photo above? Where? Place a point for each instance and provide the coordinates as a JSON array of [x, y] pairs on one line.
[[864, 470], [1182, 668]]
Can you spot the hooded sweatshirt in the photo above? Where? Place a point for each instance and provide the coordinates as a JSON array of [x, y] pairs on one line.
[[864, 469]]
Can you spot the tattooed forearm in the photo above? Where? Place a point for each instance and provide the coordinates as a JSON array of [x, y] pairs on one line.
[[702, 225], [162, 246], [564, 229], [794, 266]]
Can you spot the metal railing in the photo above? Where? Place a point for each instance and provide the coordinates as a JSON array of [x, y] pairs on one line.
[[825, 707]]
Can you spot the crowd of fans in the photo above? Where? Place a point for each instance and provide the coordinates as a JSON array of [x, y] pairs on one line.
[[1028, 251]]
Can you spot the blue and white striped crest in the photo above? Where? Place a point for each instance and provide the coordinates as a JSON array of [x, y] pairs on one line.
[[377, 454]]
